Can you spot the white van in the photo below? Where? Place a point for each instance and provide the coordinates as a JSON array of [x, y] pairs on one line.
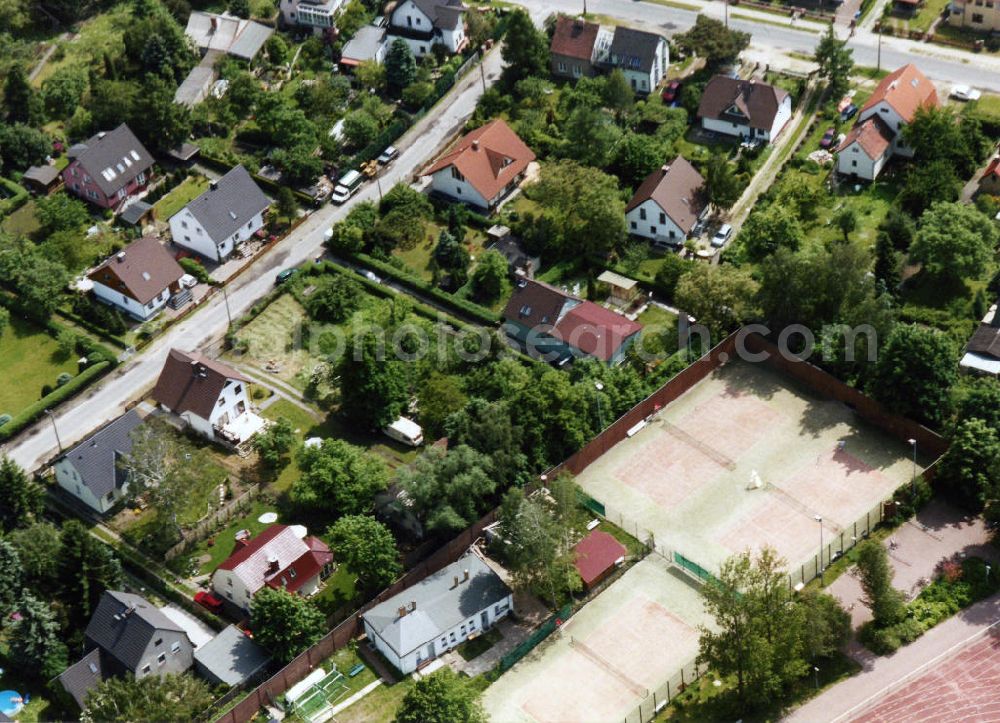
[[347, 186], [406, 431]]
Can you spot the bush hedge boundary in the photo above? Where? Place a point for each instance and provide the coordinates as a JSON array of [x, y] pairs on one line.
[[58, 395]]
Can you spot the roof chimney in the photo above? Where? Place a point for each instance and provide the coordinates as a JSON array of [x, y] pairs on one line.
[[665, 168], [272, 563], [413, 605], [213, 184], [120, 256], [402, 611], [101, 134], [475, 145], [995, 321], [215, 24], [455, 581], [466, 576]]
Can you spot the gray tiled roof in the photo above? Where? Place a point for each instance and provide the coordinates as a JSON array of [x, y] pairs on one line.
[[250, 41], [83, 676], [230, 657], [233, 201], [634, 49], [444, 14], [114, 159], [440, 605], [95, 459], [126, 637], [365, 43], [134, 212]]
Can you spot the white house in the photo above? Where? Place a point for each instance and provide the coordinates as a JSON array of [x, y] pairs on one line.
[[982, 353], [220, 219], [747, 109], [440, 612], [642, 57], [279, 557], [422, 24], [483, 167], [140, 279], [209, 395], [877, 135], [90, 470], [667, 204], [319, 15]]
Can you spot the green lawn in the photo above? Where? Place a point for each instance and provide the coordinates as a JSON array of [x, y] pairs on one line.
[[29, 359], [41, 707], [23, 222], [418, 258], [929, 12], [472, 649], [221, 545], [99, 35], [654, 316], [379, 705], [338, 590], [179, 196]]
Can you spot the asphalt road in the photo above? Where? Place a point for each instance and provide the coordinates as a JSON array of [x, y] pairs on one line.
[[106, 399]]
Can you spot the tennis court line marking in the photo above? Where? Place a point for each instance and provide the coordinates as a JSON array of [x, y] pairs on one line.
[[589, 652], [690, 440]]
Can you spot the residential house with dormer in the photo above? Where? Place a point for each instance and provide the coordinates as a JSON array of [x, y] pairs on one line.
[[422, 24], [748, 109], [108, 168], [140, 279]]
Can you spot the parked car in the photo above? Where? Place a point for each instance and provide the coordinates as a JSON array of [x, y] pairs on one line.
[[187, 281], [208, 601], [848, 112], [828, 137], [388, 156], [965, 93], [284, 276], [369, 275], [722, 235], [671, 91]]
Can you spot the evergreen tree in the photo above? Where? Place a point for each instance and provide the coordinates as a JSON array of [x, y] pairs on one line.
[[400, 66], [22, 498], [525, 49], [35, 644]]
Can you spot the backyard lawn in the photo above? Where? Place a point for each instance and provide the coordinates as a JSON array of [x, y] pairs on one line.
[[929, 12], [29, 359], [23, 221], [381, 704], [225, 539], [273, 337], [418, 258], [99, 35], [179, 196], [41, 707]]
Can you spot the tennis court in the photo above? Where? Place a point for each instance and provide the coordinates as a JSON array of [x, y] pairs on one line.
[[688, 476], [609, 657]]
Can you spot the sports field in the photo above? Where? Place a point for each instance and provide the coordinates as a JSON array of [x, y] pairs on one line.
[[686, 477], [609, 657]]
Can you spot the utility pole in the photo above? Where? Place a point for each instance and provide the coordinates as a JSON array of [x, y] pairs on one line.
[[727, 13], [913, 477], [820, 521], [600, 416], [482, 72], [55, 429], [225, 296]]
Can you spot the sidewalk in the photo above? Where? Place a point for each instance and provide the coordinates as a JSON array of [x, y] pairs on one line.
[[880, 675]]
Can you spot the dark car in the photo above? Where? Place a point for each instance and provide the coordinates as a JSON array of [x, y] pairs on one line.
[[208, 601], [284, 276], [671, 91], [848, 112], [828, 137]]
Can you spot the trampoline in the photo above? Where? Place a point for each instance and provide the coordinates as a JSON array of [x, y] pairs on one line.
[[11, 702]]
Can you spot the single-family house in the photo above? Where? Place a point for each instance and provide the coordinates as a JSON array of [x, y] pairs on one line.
[[277, 558], [422, 24], [230, 658], [596, 556], [747, 109], [483, 167], [367, 44], [211, 397], [108, 168], [878, 133], [91, 472], [982, 352], [459, 602], [41, 180], [140, 279], [989, 182], [131, 636], [572, 48], [668, 204], [227, 33], [320, 15], [220, 219], [981, 16], [558, 326], [643, 58]]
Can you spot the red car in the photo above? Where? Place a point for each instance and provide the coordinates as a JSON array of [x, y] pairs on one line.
[[827, 140], [208, 601], [670, 92]]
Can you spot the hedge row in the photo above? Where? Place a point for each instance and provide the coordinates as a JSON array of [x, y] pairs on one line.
[[268, 185], [476, 312], [58, 395], [92, 328], [20, 195]]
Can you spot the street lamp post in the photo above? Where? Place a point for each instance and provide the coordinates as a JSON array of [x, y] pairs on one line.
[[229, 315], [55, 429], [816, 672], [600, 417], [913, 477], [820, 521]]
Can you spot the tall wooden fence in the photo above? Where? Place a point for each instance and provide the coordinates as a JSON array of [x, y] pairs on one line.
[[212, 521]]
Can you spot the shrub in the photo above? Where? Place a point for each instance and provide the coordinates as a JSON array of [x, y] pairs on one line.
[[195, 269], [63, 379], [4, 418]]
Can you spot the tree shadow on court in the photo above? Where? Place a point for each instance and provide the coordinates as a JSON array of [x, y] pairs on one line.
[[758, 380], [820, 415]]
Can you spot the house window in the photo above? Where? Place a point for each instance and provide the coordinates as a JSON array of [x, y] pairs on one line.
[[157, 642], [175, 647], [456, 174], [444, 642], [642, 214], [145, 669], [977, 18], [250, 225], [652, 229], [458, 190], [110, 497], [452, 636], [576, 71], [222, 400], [187, 238], [247, 594], [184, 224], [562, 67], [634, 225], [463, 631], [472, 625], [238, 389], [292, 573], [854, 164], [663, 218], [161, 658], [229, 582], [500, 608]]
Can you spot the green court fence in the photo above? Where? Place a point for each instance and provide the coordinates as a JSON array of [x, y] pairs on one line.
[[692, 567], [590, 503], [545, 630]]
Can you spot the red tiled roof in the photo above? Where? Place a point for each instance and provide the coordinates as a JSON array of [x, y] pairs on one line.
[[595, 330], [596, 554], [298, 560], [489, 158], [304, 568], [245, 551], [905, 90], [873, 135], [192, 383], [993, 169], [574, 38], [676, 188]]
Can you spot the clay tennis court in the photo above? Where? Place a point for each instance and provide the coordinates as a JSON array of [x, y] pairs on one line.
[[684, 477], [610, 656], [963, 687]]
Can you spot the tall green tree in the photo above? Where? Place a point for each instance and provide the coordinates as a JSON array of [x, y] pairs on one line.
[[442, 697], [954, 240], [713, 41], [721, 184], [339, 477], [887, 262], [152, 697], [525, 49], [284, 623], [400, 66], [368, 548], [489, 278], [373, 386], [440, 395], [334, 300], [34, 640], [449, 489], [618, 94], [488, 428], [39, 549], [768, 229], [61, 212], [937, 133], [274, 443], [22, 498], [156, 119], [20, 105], [63, 91], [875, 574], [835, 61], [971, 466], [22, 146], [11, 576], [980, 399], [87, 568], [915, 371], [720, 298]]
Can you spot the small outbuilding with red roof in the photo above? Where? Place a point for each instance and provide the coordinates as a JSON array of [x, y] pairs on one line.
[[597, 555], [483, 167]]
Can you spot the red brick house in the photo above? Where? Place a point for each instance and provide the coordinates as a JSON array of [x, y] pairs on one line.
[[108, 168]]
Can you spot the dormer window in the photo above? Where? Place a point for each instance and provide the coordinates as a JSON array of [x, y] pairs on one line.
[[525, 310]]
